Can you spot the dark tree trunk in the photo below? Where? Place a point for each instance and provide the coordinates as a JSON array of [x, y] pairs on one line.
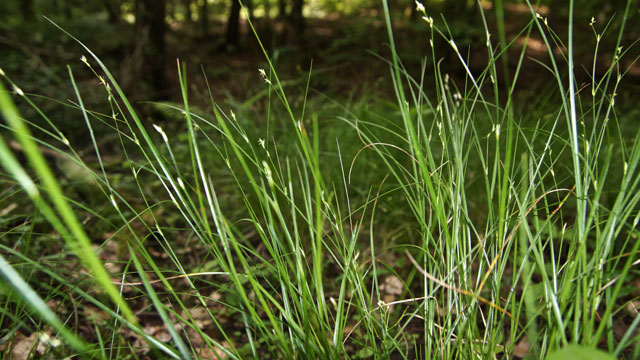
[[187, 9], [66, 9], [204, 17], [267, 9], [250, 8], [282, 9], [232, 38], [151, 30], [297, 20], [26, 9], [113, 10]]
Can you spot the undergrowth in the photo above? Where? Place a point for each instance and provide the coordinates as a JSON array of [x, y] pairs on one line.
[[453, 224]]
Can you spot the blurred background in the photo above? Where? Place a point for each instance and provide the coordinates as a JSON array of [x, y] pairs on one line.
[[140, 40]]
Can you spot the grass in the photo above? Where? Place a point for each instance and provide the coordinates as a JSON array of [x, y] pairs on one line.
[[455, 223]]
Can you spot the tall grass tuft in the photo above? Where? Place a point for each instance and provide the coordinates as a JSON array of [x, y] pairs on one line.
[[517, 231]]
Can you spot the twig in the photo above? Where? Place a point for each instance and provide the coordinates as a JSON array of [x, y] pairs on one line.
[[504, 245], [458, 290], [171, 278]]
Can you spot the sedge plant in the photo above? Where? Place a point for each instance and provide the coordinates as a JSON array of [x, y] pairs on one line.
[[517, 232]]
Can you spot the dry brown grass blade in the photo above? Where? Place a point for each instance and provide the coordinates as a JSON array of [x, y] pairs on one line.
[[213, 273], [504, 245], [458, 290]]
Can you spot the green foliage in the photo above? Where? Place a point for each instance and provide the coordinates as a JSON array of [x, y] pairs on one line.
[[579, 352], [452, 221]]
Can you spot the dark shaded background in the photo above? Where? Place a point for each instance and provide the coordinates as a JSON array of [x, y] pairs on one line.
[[344, 42]]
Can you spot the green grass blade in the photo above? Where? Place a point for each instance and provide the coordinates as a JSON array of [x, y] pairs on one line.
[[39, 307], [80, 242]]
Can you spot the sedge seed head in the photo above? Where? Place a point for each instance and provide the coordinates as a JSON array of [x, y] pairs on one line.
[[18, 90]]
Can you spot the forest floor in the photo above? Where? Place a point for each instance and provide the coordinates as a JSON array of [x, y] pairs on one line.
[[342, 53]]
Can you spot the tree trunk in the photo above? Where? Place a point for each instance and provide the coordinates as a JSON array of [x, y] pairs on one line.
[[297, 20], [204, 17], [250, 8], [26, 9], [66, 9], [282, 9], [151, 30], [113, 10], [187, 9], [232, 38], [267, 9]]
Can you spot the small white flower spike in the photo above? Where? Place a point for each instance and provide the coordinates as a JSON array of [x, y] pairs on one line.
[[113, 201], [268, 173], [18, 90], [264, 76], [161, 132]]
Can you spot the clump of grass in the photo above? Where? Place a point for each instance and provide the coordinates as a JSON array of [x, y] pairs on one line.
[[504, 245]]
